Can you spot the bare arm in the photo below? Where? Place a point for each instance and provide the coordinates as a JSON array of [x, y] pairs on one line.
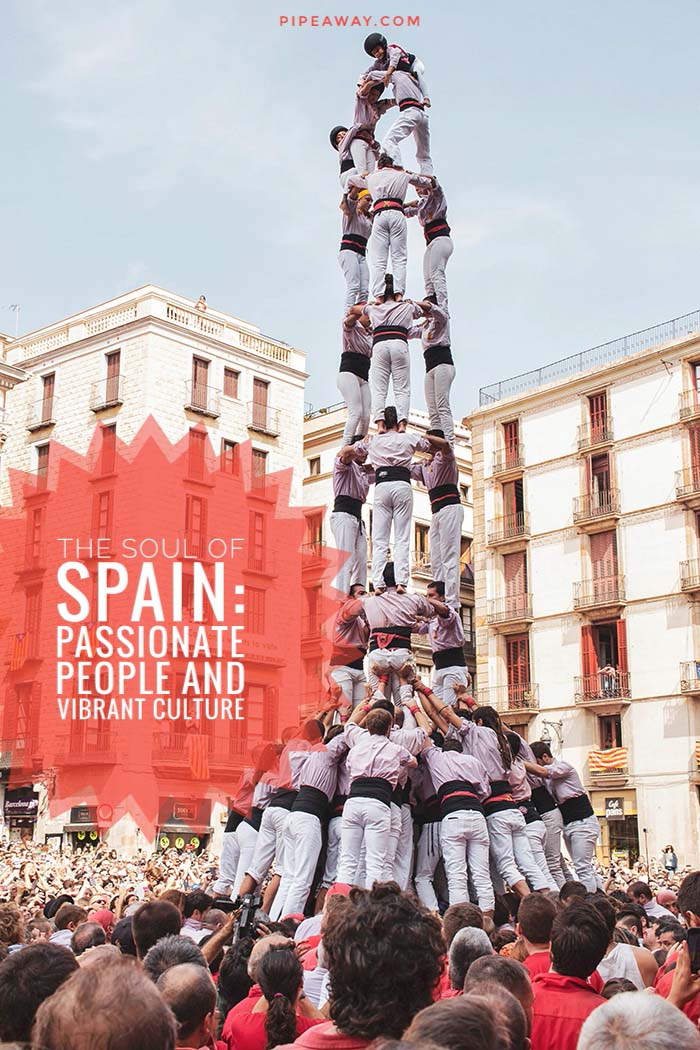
[[216, 942]]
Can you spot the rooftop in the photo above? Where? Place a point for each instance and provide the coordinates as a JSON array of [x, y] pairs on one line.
[[595, 357]]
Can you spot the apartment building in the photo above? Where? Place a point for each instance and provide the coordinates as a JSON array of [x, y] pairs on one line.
[[147, 353], [323, 431], [587, 570]]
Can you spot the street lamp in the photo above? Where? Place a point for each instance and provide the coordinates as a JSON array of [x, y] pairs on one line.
[[546, 735]]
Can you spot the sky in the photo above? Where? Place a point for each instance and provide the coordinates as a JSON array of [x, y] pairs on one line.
[[187, 146]]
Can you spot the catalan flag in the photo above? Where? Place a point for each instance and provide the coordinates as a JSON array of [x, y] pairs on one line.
[[607, 761], [197, 749], [697, 753], [19, 651]]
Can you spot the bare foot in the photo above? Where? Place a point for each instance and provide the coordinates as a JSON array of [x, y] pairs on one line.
[[400, 589]]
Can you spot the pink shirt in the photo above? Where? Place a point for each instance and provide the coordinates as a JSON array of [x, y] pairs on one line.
[[482, 743], [392, 609], [355, 221], [445, 766], [393, 449], [321, 767], [445, 632], [441, 471], [564, 782], [401, 313], [430, 208], [357, 340], [349, 479], [350, 631], [374, 756]]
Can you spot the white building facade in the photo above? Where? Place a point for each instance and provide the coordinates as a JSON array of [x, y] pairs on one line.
[[587, 567], [323, 432], [147, 353]]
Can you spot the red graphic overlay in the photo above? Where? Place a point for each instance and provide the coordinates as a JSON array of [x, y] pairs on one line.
[[163, 612]]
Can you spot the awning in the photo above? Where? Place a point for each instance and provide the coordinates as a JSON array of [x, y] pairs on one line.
[[185, 829], [80, 827]]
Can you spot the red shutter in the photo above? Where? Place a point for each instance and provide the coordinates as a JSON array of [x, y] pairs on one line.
[[509, 501], [112, 385], [518, 664], [589, 657], [604, 564], [694, 436], [515, 574], [511, 442], [598, 413], [48, 385], [260, 391], [200, 373], [622, 664]]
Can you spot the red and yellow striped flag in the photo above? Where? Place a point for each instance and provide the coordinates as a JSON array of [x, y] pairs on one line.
[[20, 651], [197, 747], [605, 761]]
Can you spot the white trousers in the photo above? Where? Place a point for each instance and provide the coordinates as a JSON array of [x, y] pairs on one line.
[[393, 505], [411, 121], [464, 837], [363, 155], [391, 360], [444, 538], [444, 681], [303, 839], [428, 853], [349, 535], [581, 837], [437, 384], [269, 843], [537, 837], [388, 235], [389, 661], [332, 852], [352, 681], [356, 274], [552, 847], [366, 821], [401, 845], [510, 849], [357, 396], [434, 264], [228, 865]]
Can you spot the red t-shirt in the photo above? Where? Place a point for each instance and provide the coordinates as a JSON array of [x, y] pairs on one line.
[[327, 1037], [538, 962], [561, 1006], [247, 1030], [691, 1009]]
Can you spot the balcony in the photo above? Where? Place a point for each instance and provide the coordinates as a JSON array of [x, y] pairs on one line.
[[514, 703], [689, 406], [510, 612], [690, 677], [263, 419], [107, 393], [513, 530], [695, 764], [42, 414], [597, 511], [312, 626], [508, 461], [313, 555], [608, 768], [600, 597], [420, 566], [688, 486], [590, 437], [690, 576], [261, 562], [22, 649], [204, 400], [606, 692], [35, 559], [91, 750]]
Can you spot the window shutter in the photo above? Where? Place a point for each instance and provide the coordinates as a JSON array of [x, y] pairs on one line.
[[270, 709], [589, 658], [622, 662]]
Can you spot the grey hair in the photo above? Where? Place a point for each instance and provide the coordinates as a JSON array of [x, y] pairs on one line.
[[467, 945], [172, 950], [638, 1021]]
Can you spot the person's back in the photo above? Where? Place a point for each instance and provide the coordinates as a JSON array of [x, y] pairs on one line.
[[645, 1022], [563, 997], [27, 979]]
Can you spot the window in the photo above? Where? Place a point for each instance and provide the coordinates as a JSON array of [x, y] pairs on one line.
[[465, 493], [518, 668], [513, 506], [255, 610], [604, 660], [604, 565], [259, 463], [511, 443], [468, 622], [195, 524], [695, 376], [48, 384], [32, 619], [112, 384], [196, 453], [694, 438], [102, 514], [312, 597], [610, 731], [42, 464], [256, 550], [515, 577], [21, 723], [108, 451], [314, 466], [200, 382], [421, 541], [35, 535], [314, 529], [598, 416], [231, 378], [229, 457], [600, 476], [261, 389]]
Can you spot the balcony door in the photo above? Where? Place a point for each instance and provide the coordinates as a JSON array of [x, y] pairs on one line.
[[518, 668], [200, 375], [598, 416], [604, 565], [261, 391], [515, 577]]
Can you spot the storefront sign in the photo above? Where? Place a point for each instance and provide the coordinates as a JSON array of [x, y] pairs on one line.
[[615, 808], [24, 805]]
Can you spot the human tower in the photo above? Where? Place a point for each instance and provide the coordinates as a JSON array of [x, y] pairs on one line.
[[394, 775]]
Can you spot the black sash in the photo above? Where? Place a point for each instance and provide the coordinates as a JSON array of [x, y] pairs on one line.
[[282, 799], [577, 808], [346, 164], [449, 658], [499, 799], [428, 812], [436, 228], [255, 818], [339, 657], [234, 819], [388, 204], [371, 787], [543, 800], [391, 474], [389, 331], [354, 242], [311, 800], [348, 505], [443, 496], [529, 810], [336, 806], [408, 103], [437, 355], [358, 364], [401, 795], [457, 795], [390, 638]]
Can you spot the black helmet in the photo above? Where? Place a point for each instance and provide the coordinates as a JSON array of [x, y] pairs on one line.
[[374, 40], [334, 134]]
